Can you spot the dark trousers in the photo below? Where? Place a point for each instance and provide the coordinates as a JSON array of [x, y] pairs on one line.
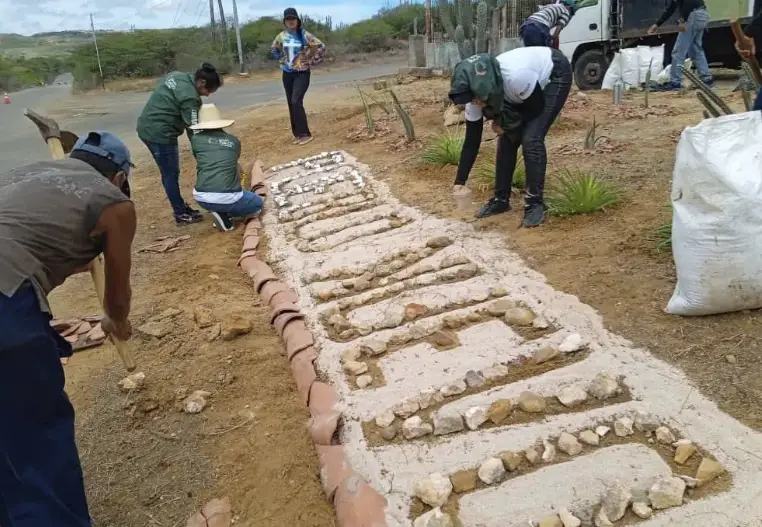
[[167, 158], [531, 137], [41, 480], [296, 84], [758, 101], [535, 34]]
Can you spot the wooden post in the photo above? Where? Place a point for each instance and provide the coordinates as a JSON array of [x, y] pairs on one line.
[[735, 26]]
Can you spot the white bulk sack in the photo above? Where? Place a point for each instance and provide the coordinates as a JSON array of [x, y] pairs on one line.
[[717, 216], [613, 73], [657, 58], [644, 62], [630, 67]]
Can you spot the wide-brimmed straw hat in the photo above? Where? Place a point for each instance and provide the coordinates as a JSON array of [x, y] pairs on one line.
[[209, 118]]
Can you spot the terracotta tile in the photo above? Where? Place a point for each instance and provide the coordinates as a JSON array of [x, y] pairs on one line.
[[71, 330], [247, 254], [309, 354], [63, 325], [304, 376], [297, 339], [72, 339], [282, 320], [93, 319], [323, 398], [253, 226], [284, 296], [358, 504], [249, 265], [323, 427], [218, 512], [96, 333], [285, 307], [250, 243], [262, 277], [197, 520], [271, 289], [334, 467]]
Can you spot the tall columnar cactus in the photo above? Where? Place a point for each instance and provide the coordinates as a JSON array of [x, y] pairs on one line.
[[468, 48], [482, 13], [447, 16], [466, 17], [460, 39], [749, 74], [707, 92]]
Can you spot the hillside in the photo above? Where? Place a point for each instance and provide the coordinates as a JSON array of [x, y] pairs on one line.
[[42, 44]]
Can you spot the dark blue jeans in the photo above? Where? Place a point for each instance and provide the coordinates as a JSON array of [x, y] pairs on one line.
[[535, 34], [758, 101], [167, 157], [249, 203], [41, 480]]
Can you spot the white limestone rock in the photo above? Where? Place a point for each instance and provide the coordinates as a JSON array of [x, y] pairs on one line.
[[491, 471], [447, 421], [623, 427], [604, 386], [572, 396], [667, 492], [568, 444], [414, 427], [615, 501], [434, 490], [433, 518], [475, 417]]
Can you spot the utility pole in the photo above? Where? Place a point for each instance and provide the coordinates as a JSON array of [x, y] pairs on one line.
[[211, 17], [97, 53], [238, 34], [224, 24]]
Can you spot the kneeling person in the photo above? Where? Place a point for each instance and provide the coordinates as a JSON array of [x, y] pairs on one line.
[[218, 174]]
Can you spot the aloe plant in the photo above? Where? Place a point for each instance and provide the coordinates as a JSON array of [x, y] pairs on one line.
[[445, 148], [590, 138], [577, 192], [407, 122], [369, 125]]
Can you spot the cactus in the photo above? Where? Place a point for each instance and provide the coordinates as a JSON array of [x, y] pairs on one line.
[[466, 17], [468, 48], [407, 122], [482, 12], [447, 17], [747, 102], [647, 87], [707, 92], [749, 75], [711, 110]]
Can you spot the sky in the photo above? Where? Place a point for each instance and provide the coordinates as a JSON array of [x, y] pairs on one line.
[[34, 16]]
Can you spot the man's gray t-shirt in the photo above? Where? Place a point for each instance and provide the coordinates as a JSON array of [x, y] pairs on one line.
[[47, 212]]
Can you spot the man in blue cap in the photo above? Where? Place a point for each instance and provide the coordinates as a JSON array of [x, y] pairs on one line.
[[55, 217]]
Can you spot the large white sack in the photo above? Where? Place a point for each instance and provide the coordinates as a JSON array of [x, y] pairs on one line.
[[644, 62], [630, 67], [657, 55], [717, 216], [613, 73]]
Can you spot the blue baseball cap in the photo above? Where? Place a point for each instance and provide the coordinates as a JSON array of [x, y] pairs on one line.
[[106, 144]]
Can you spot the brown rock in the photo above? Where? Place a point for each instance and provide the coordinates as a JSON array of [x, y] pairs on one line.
[[203, 316], [511, 460], [519, 316], [155, 329], [708, 470], [499, 308], [544, 355], [444, 339], [235, 327], [683, 453], [464, 481], [439, 242], [499, 411], [413, 311], [531, 402], [551, 521], [214, 332]]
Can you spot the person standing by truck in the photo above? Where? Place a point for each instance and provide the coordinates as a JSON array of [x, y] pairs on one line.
[[693, 19], [752, 31], [535, 31]]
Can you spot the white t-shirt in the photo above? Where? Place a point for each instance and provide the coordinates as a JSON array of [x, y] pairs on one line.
[[522, 69]]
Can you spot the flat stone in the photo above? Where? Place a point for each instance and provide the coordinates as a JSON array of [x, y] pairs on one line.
[[511, 460], [389, 433], [204, 316], [601, 520], [355, 368], [429, 397], [235, 327], [568, 444], [549, 452], [572, 343], [645, 422], [447, 421], [683, 453], [500, 307], [589, 437], [666, 493], [405, 409], [568, 519], [364, 329], [433, 490], [623, 427], [531, 402], [363, 381], [690, 482], [351, 354], [474, 379], [157, 330], [385, 419], [572, 396], [414, 427], [133, 383], [491, 471], [214, 332], [439, 242], [540, 323], [544, 354], [464, 481], [466, 272], [170, 312], [532, 455], [433, 518], [664, 435], [615, 501], [339, 322], [642, 510], [444, 339], [603, 386], [495, 372], [474, 316], [393, 318], [518, 316], [373, 347], [499, 410], [413, 311], [456, 388], [362, 284], [452, 260], [602, 430], [475, 417], [551, 521], [708, 470], [195, 402]]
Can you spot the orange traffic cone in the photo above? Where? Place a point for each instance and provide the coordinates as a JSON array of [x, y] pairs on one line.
[[6, 99]]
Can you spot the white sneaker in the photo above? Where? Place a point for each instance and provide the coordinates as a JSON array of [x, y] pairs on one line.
[[222, 221]]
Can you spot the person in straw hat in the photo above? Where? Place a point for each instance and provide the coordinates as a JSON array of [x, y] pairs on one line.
[[218, 173]]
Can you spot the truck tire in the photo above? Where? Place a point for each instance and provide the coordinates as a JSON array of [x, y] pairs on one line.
[[590, 68]]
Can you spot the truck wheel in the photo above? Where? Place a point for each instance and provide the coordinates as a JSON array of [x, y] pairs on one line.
[[590, 68]]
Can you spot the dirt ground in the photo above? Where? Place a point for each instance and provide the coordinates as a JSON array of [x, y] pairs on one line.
[[146, 463]]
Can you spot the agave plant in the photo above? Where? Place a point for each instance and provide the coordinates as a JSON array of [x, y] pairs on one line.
[[581, 193], [484, 175], [444, 149]]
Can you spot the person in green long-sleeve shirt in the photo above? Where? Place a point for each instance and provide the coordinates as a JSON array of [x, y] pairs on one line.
[[171, 110]]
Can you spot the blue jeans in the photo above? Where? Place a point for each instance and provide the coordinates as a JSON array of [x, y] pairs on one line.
[[758, 101], [535, 34], [40, 475], [691, 44], [250, 203], [167, 157]]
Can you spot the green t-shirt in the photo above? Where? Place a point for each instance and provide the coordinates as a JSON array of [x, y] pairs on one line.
[[172, 107], [217, 154]]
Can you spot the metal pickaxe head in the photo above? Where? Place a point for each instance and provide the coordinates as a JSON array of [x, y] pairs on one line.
[[49, 129]]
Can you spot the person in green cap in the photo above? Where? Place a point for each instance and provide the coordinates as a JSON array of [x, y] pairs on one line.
[[171, 110], [522, 91], [218, 171]]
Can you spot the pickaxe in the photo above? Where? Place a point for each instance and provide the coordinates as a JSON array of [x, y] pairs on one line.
[[60, 142]]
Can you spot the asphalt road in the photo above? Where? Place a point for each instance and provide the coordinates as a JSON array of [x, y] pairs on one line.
[[20, 143]]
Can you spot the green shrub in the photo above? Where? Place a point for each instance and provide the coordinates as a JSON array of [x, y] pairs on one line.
[[581, 193], [484, 175], [369, 35], [662, 237], [444, 149]]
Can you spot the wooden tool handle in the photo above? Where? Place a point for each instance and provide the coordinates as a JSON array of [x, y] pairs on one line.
[[741, 38], [99, 279]]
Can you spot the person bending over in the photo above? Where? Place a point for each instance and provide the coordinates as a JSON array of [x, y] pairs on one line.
[[522, 91], [218, 174], [535, 31]]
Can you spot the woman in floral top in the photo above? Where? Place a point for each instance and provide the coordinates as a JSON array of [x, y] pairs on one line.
[[298, 50]]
